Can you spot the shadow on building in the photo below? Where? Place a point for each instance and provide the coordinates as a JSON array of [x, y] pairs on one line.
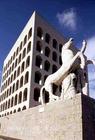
[[7, 138]]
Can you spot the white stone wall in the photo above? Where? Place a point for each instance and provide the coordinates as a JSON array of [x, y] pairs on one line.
[[43, 61]]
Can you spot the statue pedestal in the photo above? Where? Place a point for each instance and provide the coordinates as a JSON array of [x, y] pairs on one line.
[[72, 119]]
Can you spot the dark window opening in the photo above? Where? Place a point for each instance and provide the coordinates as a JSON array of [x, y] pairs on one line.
[[47, 65], [60, 48], [21, 81], [29, 47], [54, 44], [30, 33], [28, 61], [39, 46], [47, 38], [25, 39], [20, 97], [24, 108], [54, 56], [60, 60], [26, 77], [39, 32], [36, 94], [37, 77], [25, 95], [38, 61], [54, 68], [47, 51]]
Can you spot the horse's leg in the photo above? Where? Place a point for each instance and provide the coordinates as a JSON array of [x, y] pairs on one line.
[[52, 97]]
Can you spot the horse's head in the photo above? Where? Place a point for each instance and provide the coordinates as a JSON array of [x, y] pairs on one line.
[[68, 44]]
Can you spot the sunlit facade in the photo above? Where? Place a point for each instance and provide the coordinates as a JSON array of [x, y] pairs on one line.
[[35, 55]]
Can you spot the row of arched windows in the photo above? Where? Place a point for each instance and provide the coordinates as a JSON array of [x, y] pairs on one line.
[[18, 84], [17, 61], [16, 73], [14, 111], [48, 52], [26, 38], [47, 64], [17, 99], [47, 38]]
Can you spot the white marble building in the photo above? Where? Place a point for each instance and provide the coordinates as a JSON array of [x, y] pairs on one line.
[[35, 55]]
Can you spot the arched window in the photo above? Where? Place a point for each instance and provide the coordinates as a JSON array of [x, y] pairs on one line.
[[60, 60], [24, 107], [38, 61], [25, 39], [7, 92], [47, 65], [24, 53], [18, 71], [17, 84], [54, 68], [19, 60], [38, 77], [22, 66], [55, 43], [39, 46], [28, 61], [54, 56], [12, 66], [14, 56], [17, 51], [10, 70], [20, 97], [13, 87], [36, 94], [21, 81], [25, 94], [8, 113], [47, 51], [39, 32], [10, 91], [26, 77], [15, 100], [15, 63], [60, 48], [12, 102], [6, 105], [9, 80], [29, 47], [30, 33], [20, 46], [14, 75], [9, 103], [12, 78], [14, 111], [11, 59], [47, 38], [19, 109]]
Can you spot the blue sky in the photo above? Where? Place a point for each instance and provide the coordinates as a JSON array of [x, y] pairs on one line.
[[74, 18]]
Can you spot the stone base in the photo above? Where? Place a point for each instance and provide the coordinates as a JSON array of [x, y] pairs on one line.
[[73, 119]]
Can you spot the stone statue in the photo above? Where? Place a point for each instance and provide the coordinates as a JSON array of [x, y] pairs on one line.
[[71, 62]]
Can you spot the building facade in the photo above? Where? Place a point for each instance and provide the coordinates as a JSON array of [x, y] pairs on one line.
[[35, 55]]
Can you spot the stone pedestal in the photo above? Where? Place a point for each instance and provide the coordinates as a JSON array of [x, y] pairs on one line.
[[73, 119]]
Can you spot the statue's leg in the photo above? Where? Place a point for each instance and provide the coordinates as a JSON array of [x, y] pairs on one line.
[[62, 91], [52, 97], [42, 96]]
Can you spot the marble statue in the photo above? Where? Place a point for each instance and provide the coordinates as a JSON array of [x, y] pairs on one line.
[[72, 63]]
